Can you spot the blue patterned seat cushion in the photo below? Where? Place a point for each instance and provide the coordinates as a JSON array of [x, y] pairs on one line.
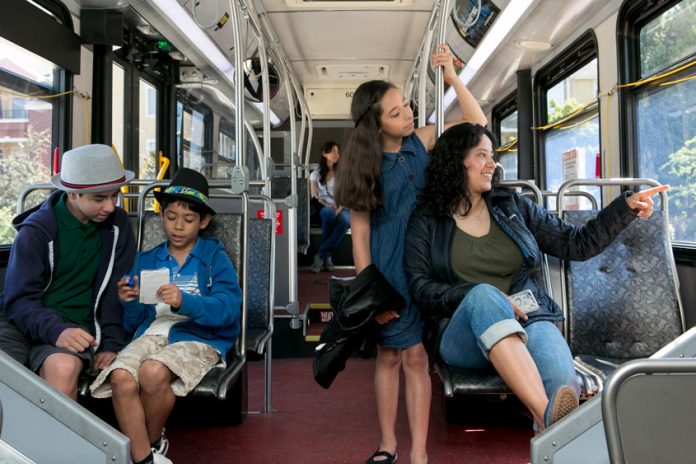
[[623, 302]]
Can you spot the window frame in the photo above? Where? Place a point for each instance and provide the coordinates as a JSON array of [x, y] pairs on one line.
[[502, 110], [578, 54], [131, 106], [61, 113], [208, 129], [632, 17]]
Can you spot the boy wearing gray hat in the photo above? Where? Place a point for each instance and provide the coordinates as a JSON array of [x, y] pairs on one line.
[[61, 308]]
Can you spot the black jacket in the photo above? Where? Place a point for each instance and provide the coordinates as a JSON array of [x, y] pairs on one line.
[[354, 304], [437, 290]]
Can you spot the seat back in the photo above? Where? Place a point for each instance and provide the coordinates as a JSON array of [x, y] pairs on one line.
[[647, 412], [624, 302], [260, 293], [43, 425], [580, 437], [227, 227]]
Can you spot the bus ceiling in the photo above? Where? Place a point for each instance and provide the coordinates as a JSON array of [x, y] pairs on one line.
[[333, 46]]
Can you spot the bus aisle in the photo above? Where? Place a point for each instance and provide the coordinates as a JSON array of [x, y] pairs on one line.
[[338, 425]]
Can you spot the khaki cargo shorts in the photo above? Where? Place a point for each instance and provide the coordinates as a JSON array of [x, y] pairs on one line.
[[189, 361]]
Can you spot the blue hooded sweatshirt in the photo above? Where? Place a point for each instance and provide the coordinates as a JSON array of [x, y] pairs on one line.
[[213, 315], [30, 272]]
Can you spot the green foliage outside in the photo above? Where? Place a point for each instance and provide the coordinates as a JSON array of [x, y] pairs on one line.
[[560, 111], [18, 169], [668, 38], [680, 172]]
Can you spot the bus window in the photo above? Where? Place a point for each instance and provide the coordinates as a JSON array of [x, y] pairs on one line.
[[117, 105], [664, 109], [657, 51], [226, 151], [569, 121], [194, 132], [505, 128], [147, 132], [26, 132], [507, 155]]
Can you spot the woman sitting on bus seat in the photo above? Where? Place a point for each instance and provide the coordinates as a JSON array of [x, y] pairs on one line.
[[378, 179], [335, 219], [470, 245]]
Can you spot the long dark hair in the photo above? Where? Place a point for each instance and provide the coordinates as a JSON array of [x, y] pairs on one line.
[[446, 180], [323, 164], [357, 179]]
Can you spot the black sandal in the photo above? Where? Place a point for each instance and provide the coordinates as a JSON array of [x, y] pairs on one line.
[[389, 458]]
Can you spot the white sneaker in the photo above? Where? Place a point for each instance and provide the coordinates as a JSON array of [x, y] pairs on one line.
[[163, 444], [158, 458]]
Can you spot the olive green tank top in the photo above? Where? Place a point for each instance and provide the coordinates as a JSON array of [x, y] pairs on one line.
[[492, 259]]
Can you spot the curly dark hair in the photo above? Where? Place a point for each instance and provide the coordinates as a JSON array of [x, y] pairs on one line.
[[446, 180]]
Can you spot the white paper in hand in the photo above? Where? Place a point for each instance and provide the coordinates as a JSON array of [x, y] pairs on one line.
[[150, 282]]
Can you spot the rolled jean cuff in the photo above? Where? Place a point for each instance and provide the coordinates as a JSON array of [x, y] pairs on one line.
[[498, 331]]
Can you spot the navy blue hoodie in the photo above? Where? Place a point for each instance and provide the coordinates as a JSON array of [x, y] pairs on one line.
[[30, 271]]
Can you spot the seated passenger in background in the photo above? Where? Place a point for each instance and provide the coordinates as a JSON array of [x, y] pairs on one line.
[[335, 220], [470, 245], [61, 309], [179, 339]]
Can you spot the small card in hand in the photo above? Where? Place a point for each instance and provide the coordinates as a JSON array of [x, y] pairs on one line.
[[524, 300]]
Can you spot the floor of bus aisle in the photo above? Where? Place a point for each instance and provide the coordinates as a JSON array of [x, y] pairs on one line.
[[339, 425]]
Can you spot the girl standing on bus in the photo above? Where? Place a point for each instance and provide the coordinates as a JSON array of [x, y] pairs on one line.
[[379, 179], [335, 219]]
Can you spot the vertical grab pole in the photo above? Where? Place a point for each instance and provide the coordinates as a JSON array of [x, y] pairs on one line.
[[239, 178], [238, 86], [293, 304], [266, 93], [446, 7], [305, 171], [423, 81]]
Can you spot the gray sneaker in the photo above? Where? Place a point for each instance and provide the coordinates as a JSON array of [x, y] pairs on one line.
[[329, 265], [317, 264]]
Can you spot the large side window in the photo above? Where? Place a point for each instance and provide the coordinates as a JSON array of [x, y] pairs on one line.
[[28, 88], [568, 120], [118, 109], [658, 95], [226, 150], [147, 131], [505, 125], [194, 128]]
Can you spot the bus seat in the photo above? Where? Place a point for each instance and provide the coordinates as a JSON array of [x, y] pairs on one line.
[[40, 424], [223, 383], [583, 436], [661, 429], [486, 383], [259, 301], [281, 188], [623, 303]]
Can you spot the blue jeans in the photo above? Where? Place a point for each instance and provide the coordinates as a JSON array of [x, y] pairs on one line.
[[484, 318], [333, 229]]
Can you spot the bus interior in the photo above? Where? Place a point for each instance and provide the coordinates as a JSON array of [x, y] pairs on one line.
[[586, 98]]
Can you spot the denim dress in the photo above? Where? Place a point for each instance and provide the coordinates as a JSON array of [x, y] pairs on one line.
[[402, 177]]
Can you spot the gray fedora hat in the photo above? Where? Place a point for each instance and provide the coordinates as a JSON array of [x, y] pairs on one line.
[[91, 169]]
